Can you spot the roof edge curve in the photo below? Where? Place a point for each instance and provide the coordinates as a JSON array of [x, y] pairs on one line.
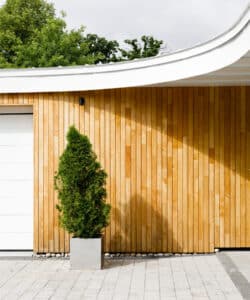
[[213, 55]]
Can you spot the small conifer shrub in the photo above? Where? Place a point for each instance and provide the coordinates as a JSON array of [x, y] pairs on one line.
[[80, 182]]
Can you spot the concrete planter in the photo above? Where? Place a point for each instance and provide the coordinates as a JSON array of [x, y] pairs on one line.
[[86, 254]]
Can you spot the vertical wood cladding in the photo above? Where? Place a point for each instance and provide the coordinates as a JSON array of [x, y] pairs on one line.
[[178, 164]]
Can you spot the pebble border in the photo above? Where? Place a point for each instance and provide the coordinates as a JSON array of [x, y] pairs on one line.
[[121, 255], [51, 255]]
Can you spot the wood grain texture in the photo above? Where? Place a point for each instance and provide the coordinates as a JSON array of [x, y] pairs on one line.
[[178, 164]]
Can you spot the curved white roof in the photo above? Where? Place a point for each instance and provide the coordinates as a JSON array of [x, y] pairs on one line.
[[225, 60]]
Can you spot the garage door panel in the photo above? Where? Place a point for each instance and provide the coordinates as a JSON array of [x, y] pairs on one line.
[[16, 182], [15, 153], [13, 139], [10, 241], [15, 171], [14, 206], [16, 223], [9, 122], [21, 188]]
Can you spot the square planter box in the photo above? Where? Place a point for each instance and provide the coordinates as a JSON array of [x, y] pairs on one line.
[[86, 254]]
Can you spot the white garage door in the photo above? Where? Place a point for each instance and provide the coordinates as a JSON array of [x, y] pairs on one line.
[[16, 180]]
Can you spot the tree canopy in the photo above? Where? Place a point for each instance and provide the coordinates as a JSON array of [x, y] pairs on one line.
[[31, 35]]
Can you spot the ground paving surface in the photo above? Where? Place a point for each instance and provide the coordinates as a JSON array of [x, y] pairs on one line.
[[222, 276]]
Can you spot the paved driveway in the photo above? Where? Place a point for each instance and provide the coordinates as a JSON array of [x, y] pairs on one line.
[[174, 277]]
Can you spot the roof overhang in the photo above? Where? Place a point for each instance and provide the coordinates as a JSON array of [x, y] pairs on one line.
[[224, 60]]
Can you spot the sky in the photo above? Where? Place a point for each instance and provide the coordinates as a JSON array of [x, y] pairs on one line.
[[179, 23]]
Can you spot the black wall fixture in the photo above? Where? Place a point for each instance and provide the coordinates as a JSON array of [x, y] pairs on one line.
[[81, 101]]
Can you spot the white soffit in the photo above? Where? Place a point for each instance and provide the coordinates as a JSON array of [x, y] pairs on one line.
[[236, 74], [224, 60]]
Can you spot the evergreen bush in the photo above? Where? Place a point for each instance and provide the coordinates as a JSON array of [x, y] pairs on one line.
[[80, 182]]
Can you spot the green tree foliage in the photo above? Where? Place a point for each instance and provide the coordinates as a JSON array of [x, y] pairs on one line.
[[31, 35], [80, 182], [106, 50], [146, 48]]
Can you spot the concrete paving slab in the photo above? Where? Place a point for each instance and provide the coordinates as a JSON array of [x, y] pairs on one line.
[[237, 265], [174, 277]]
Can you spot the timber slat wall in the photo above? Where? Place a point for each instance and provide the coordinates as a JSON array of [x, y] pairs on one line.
[[178, 161]]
